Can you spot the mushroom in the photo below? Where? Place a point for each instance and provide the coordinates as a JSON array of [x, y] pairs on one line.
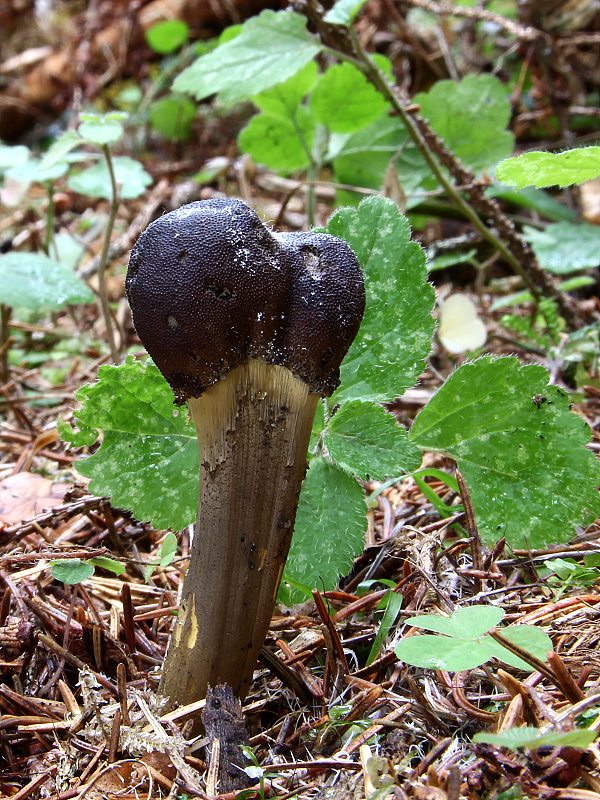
[[249, 327]]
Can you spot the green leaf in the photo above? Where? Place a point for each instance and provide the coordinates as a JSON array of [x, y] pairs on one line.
[[551, 169], [472, 117], [391, 605], [129, 97], [168, 550], [71, 570], [269, 49], [172, 116], [344, 100], [101, 129], [166, 554], [167, 35], [13, 156], [343, 12], [519, 447], [366, 440], [317, 428], [446, 260], [284, 98], [442, 652], [34, 171], [464, 643], [532, 738], [363, 157], [527, 637], [519, 298], [465, 623], [280, 143], [108, 563], [68, 249], [37, 283], [330, 528], [94, 181], [565, 247], [83, 436], [282, 136], [389, 353], [534, 199], [148, 460], [60, 148]]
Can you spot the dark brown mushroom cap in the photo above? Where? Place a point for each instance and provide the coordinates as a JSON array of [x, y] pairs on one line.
[[210, 286]]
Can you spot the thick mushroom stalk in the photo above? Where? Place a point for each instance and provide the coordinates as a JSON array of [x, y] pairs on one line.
[[250, 327]]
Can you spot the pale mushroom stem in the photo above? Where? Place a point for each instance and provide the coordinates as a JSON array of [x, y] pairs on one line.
[[253, 431]]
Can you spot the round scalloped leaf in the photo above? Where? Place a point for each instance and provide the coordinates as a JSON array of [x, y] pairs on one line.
[[471, 117], [35, 282], [167, 35], [71, 570], [520, 448], [362, 102], [131, 177], [148, 460]]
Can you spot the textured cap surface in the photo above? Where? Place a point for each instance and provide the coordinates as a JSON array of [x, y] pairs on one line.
[[210, 286]]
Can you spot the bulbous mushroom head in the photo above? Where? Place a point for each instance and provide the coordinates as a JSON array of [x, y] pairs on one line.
[[210, 287]]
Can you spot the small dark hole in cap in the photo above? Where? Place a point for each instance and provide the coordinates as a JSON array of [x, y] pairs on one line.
[[220, 292], [182, 255]]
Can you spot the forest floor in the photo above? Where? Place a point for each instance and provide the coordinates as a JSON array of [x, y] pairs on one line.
[[80, 665]]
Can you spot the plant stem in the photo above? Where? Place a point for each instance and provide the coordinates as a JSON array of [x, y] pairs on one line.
[[114, 207], [313, 173], [414, 130], [4, 342], [49, 218], [445, 166]]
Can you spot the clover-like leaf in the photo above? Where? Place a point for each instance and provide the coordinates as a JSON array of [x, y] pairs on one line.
[[131, 177], [101, 129]]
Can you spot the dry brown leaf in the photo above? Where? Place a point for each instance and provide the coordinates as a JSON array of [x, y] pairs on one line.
[[27, 494]]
